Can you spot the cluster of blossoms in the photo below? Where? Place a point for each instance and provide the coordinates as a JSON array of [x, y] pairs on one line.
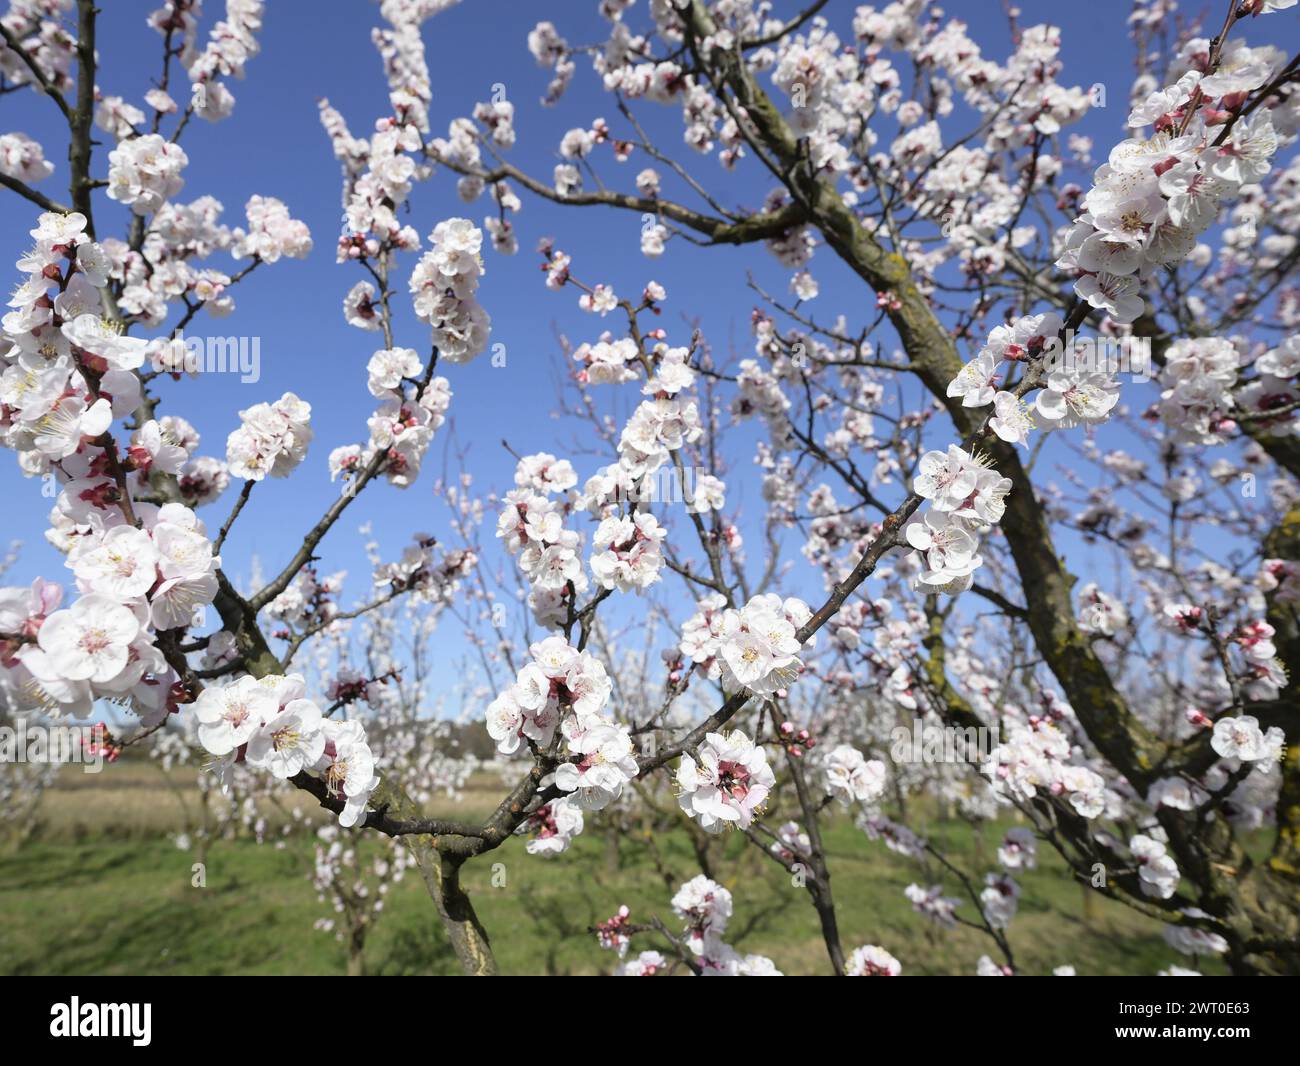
[[401, 428], [1202, 394], [379, 171], [145, 172], [271, 234], [443, 285], [1191, 940], [144, 568], [40, 26], [1198, 380], [1037, 754], [976, 384], [139, 566], [755, 648], [461, 149], [759, 393], [1266, 674], [23, 158], [706, 908], [167, 267], [1274, 389], [797, 742], [612, 934], [100, 744], [851, 777], [544, 473], [413, 403], [67, 375], [232, 42], [606, 361], [1157, 872], [897, 837], [872, 961], [726, 783], [932, 903], [835, 87], [309, 599], [566, 690], [626, 552], [550, 50], [626, 546], [167, 565], [1153, 197], [646, 964], [1100, 613], [967, 496], [352, 686], [702, 634], [272, 439], [431, 579], [660, 425], [1145, 211], [410, 412], [272, 725], [531, 527], [1078, 388], [552, 827], [792, 843]]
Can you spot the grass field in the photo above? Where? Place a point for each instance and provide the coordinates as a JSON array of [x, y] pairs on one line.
[[101, 889]]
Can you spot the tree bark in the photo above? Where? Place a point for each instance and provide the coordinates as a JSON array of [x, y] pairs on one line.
[[468, 937]]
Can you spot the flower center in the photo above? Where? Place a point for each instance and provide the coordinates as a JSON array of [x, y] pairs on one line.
[[733, 779], [93, 641], [285, 738]]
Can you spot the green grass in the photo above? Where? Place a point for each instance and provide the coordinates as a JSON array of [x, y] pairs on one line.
[[126, 906]]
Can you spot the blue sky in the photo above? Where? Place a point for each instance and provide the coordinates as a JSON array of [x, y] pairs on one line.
[[274, 145]]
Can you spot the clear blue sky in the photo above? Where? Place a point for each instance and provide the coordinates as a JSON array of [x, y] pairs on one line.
[[274, 145]]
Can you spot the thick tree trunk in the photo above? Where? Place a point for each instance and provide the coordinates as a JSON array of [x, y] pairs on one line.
[[357, 951], [468, 937]]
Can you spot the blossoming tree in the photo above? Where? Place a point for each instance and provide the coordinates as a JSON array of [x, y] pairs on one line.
[[1140, 728]]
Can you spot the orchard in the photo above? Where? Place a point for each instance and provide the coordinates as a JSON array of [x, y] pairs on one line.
[[961, 503]]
